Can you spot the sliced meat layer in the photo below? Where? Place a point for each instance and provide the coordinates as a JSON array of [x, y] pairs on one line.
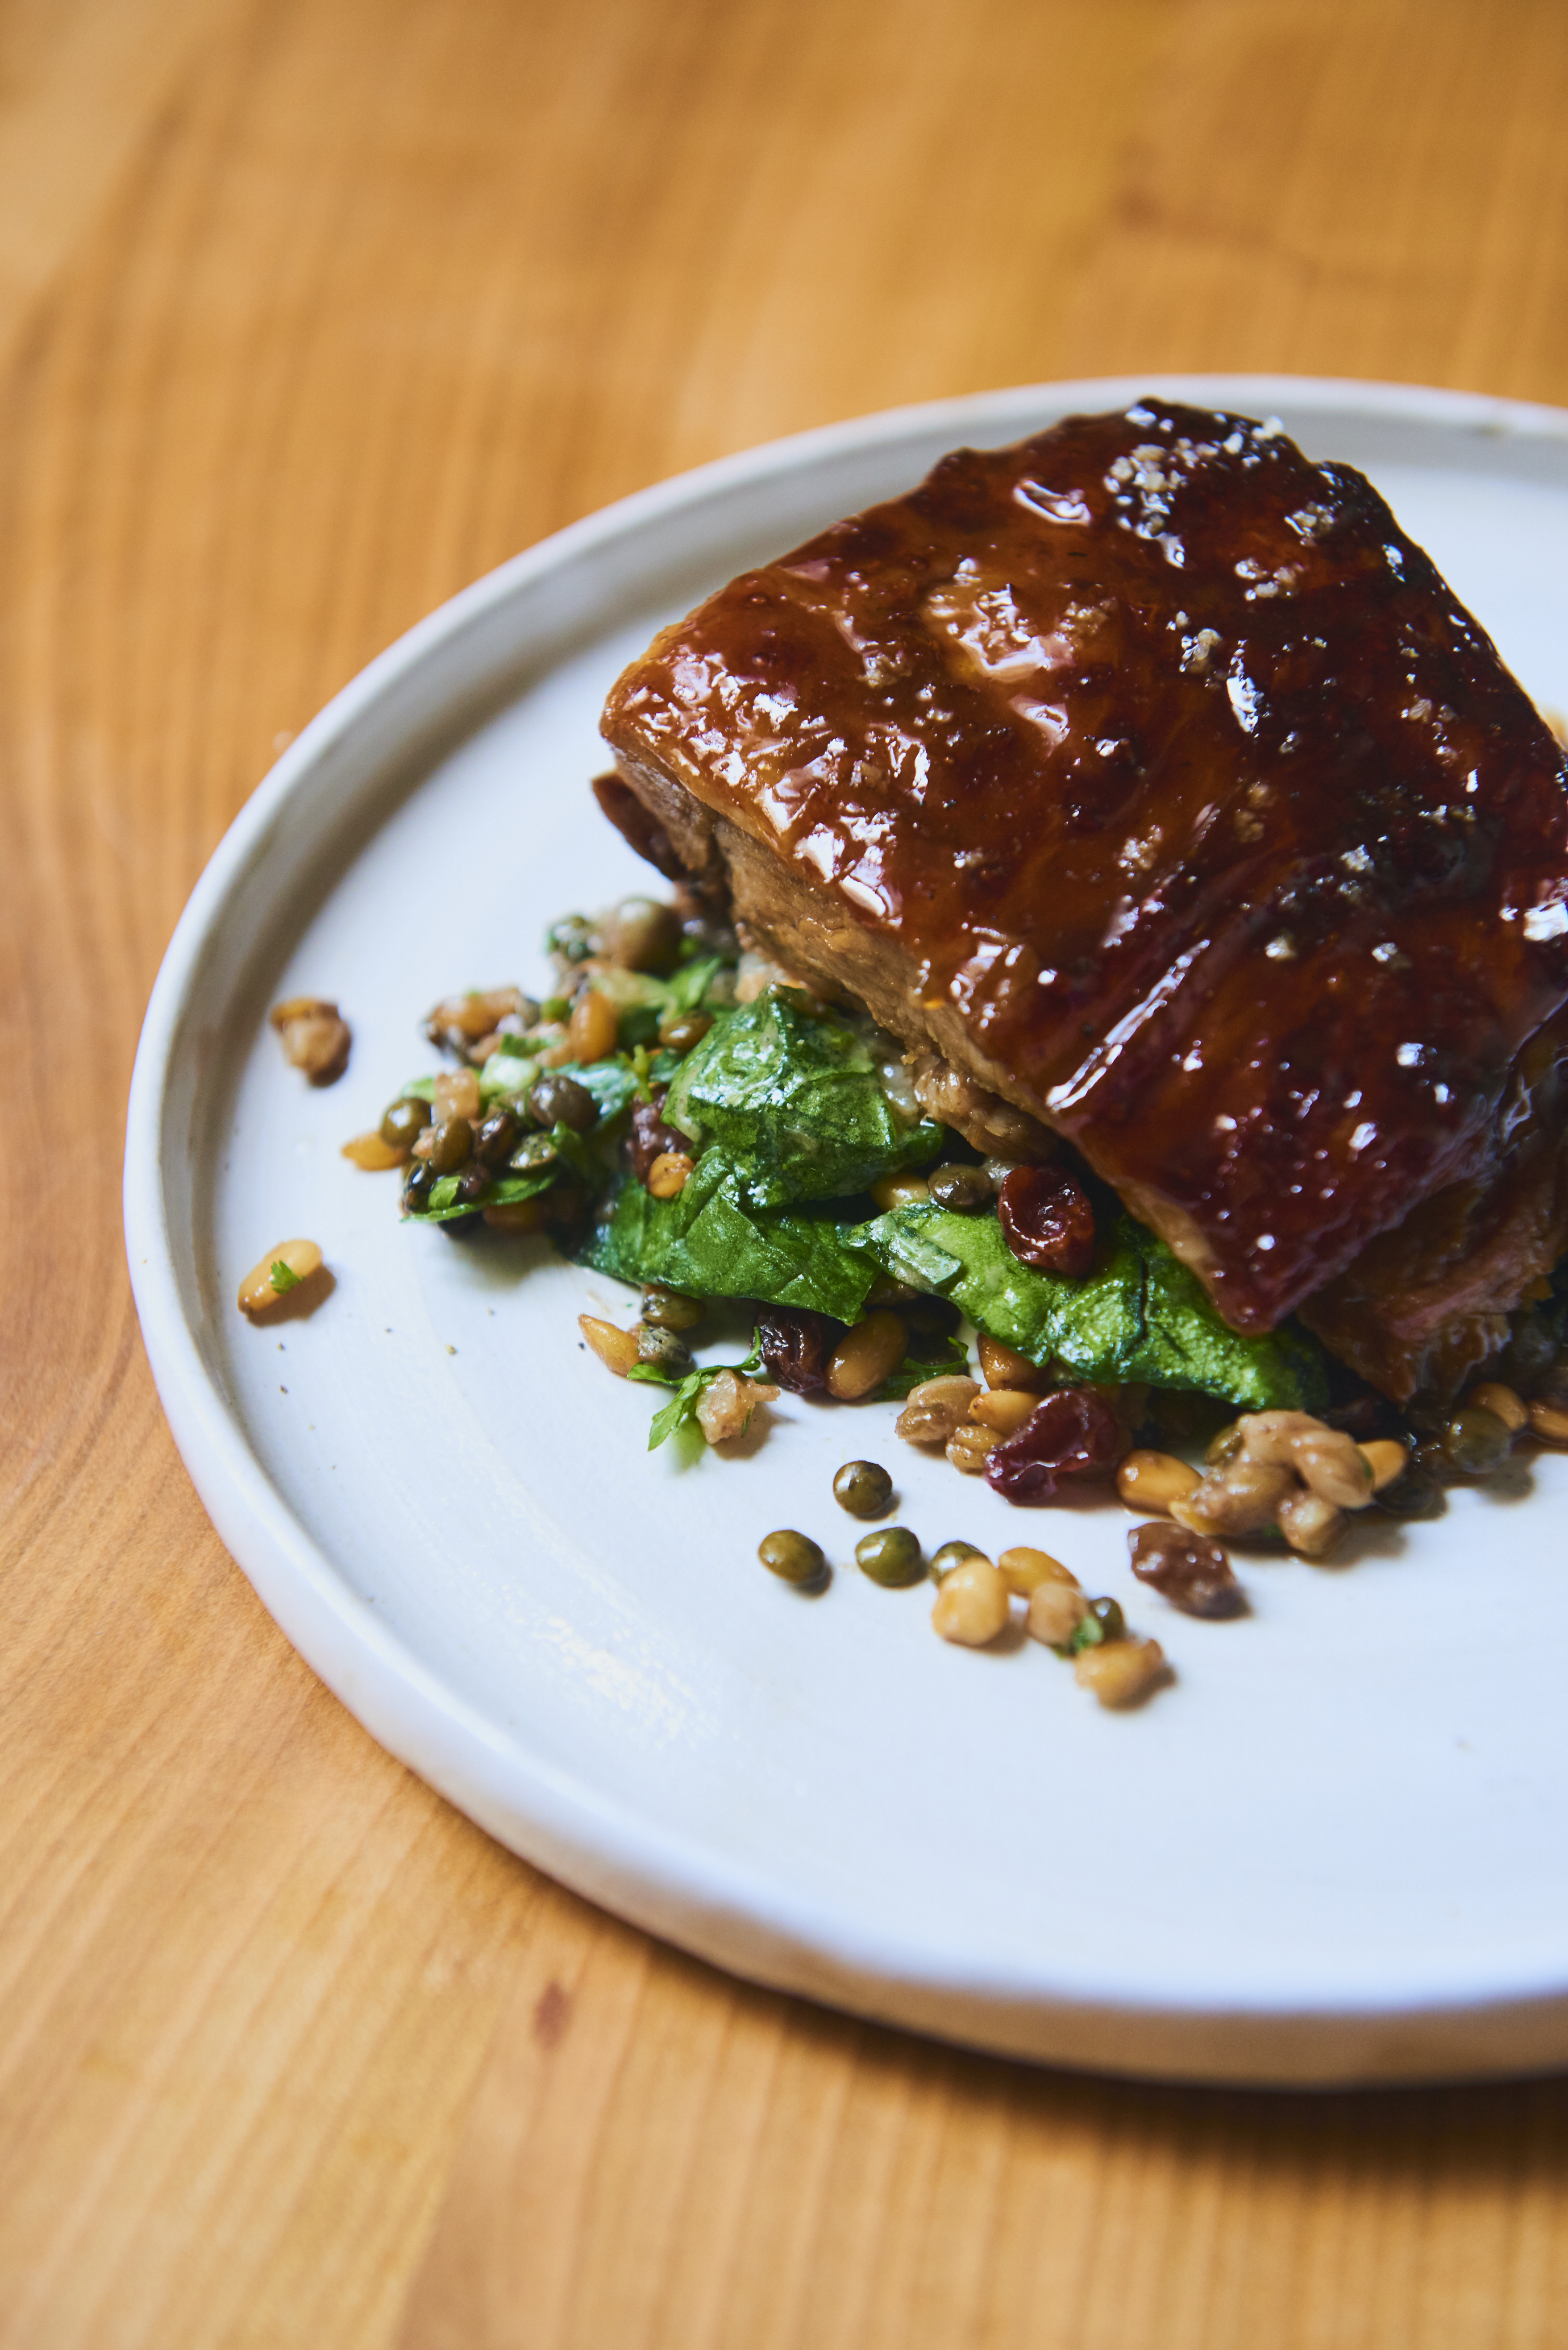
[[1422, 1308], [1147, 775]]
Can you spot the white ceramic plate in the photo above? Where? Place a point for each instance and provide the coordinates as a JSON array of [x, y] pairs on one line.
[[1333, 1851]]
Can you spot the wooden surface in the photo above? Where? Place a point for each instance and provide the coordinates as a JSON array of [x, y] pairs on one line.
[[311, 311]]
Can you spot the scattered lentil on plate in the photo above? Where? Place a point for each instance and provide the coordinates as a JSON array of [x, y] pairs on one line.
[[792, 1557], [890, 1557], [864, 1487]]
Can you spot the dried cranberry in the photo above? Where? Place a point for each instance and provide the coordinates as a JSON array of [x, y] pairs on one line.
[[650, 1138], [1073, 1433], [796, 1345], [1047, 1221], [1191, 1570]]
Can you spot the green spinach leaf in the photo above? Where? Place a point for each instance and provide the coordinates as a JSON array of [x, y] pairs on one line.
[[1094, 1326], [506, 1189], [1139, 1316], [709, 1243], [1186, 1344], [792, 1096]]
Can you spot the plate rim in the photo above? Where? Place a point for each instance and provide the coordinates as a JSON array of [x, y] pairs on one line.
[[663, 1882]]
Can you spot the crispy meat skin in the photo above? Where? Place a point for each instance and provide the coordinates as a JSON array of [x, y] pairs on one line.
[[1150, 774]]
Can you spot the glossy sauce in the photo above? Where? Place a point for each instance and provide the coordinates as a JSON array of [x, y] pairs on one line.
[[1173, 765]]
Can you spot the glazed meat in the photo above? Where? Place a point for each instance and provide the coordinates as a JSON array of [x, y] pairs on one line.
[[1147, 776]]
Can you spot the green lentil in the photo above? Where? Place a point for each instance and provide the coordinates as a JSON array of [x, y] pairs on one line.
[[560, 1100], [418, 1187], [1107, 1615], [962, 1189], [534, 1150], [891, 1557], [952, 1554], [663, 1351], [1476, 1441], [792, 1557], [404, 1120], [452, 1145], [666, 1309], [688, 1028], [864, 1487]]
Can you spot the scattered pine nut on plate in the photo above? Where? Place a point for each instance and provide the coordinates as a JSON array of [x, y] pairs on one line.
[[1122, 1672], [315, 1037], [284, 1270], [972, 1604]]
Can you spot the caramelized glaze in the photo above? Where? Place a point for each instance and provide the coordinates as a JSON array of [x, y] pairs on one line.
[[1168, 760]]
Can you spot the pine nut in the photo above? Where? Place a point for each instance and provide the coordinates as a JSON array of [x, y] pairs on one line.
[[1235, 1500], [1328, 1461], [864, 1355], [474, 1016], [594, 1026], [969, 1448], [1004, 1409], [278, 1275], [1310, 1524], [899, 1191], [315, 1037], [1332, 1467], [374, 1153], [1510, 1408], [1152, 1481], [972, 1606], [457, 1096], [1272, 1436], [670, 1174], [1001, 1366], [1024, 1570], [935, 1408], [617, 1349], [1385, 1457], [1122, 1672], [1055, 1612], [1550, 1424]]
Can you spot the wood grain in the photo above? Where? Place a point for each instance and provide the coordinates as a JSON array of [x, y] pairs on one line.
[[309, 312]]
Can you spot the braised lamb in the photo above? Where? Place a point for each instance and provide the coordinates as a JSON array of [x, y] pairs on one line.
[[1148, 782]]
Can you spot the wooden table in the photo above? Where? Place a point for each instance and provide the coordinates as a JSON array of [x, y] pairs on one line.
[[311, 311]]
